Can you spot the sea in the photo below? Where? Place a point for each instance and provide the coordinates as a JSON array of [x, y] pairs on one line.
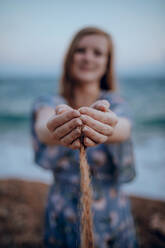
[[146, 97]]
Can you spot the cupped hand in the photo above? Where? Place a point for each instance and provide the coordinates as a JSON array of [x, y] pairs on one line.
[[101, 105], [65, 126], [98, 123]]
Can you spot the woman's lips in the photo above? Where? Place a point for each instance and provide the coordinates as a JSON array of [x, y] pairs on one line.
[[86, 68]]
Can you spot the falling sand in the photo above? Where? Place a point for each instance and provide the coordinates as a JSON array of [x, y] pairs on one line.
[[87, 236]]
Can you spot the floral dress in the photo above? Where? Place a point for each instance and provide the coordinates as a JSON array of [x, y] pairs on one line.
[[111, 165]]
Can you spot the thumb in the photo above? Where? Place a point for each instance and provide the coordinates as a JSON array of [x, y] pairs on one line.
[[102, 105], [60, 109]]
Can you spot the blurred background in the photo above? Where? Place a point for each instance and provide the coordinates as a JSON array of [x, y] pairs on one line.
[[34, 38]]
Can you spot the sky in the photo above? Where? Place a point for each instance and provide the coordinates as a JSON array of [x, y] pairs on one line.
[[34, 35]]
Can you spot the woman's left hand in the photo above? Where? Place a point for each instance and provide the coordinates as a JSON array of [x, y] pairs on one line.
[[98, 124]]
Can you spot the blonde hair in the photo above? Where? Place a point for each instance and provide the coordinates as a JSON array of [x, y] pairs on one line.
[[107, 82]]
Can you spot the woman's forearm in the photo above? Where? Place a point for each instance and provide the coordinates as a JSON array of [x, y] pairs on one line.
[[122, 131], [43, 134], [41, 129]]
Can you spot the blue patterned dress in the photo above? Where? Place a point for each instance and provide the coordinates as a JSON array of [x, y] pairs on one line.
[[111, 165]]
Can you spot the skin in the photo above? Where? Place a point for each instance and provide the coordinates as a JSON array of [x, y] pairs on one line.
[[90, 60], [94, 119]]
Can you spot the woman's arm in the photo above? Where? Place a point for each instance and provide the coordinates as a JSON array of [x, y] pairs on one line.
[[121, 131], [42, 117]]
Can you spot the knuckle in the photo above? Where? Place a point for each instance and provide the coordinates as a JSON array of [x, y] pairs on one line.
[[109, 130], [77, 121], [76, 145], [55, 135], [72, 136], [78, 130], [70, 113], [64, 142], [75, 112], [85, 129], [114, 119], [85, 119], [61, 108], [83, 109], [86, 141], [71, 125]]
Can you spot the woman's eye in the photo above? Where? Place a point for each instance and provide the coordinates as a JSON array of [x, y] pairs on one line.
[[80, 50], [97, 53]]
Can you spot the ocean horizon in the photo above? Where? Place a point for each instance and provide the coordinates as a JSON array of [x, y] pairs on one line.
[[146, 97]]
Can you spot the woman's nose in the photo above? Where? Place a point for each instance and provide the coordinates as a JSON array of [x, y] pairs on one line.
[[88, 55]]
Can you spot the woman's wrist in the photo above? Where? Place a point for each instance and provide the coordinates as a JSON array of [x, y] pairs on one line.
[[121, 131], [44, 134]]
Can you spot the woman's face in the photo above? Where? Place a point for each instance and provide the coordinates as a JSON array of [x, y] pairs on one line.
[[90, 59]]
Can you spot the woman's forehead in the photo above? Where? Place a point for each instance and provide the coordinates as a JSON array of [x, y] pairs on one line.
[[94, 40]]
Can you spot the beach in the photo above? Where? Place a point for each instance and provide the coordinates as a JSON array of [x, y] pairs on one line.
[[22, 210]]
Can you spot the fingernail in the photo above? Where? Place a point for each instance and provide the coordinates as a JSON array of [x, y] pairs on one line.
[[60, 109], [76, 112], [82, 117], [82, 110], [79, 122], [85, 128]]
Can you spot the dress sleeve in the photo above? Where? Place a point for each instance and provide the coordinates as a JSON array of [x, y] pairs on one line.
[[121, 153], [44, 155]]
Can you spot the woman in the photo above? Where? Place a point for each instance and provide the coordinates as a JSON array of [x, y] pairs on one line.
[[87, 105]]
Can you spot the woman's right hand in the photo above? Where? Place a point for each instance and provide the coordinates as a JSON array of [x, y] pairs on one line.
[[65, 126]]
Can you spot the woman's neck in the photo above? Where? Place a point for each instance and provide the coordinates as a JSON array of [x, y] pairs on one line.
[[85, 95]]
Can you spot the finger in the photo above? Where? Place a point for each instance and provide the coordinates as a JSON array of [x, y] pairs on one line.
[[75, 144], [109, 117], [69, 138], [93, 135], [102, 105], [88, 142], [96, 125], [59, 120], [62, 108], [66, 128]]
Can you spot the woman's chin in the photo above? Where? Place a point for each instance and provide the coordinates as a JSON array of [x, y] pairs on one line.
[[85, 80]]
